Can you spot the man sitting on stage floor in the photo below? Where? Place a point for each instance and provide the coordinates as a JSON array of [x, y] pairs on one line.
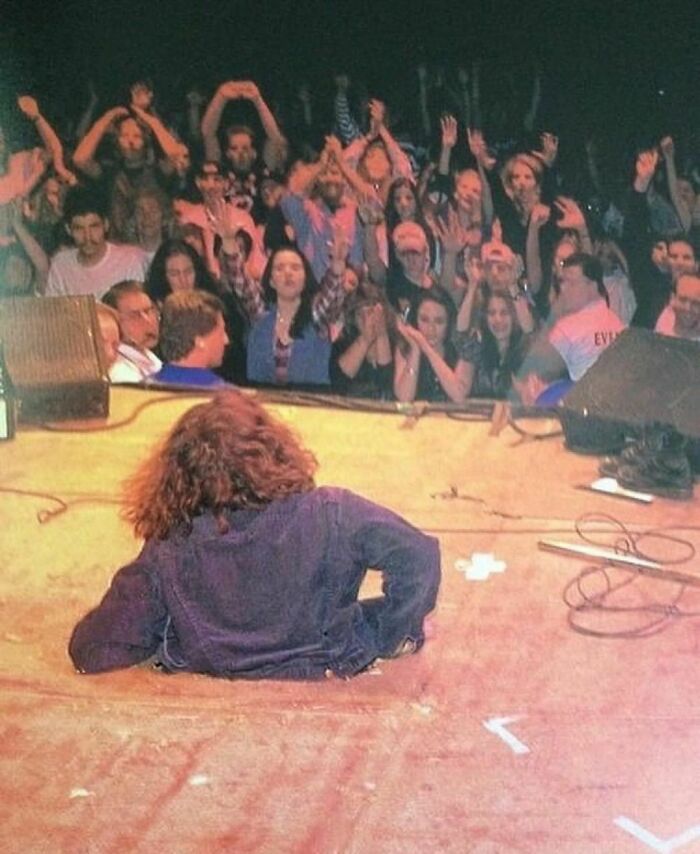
[[248, 569]]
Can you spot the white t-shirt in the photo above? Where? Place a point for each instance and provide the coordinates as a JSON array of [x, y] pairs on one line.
[[666, 325], [622, 299], [133, 366], [68, 277], [581, 337]]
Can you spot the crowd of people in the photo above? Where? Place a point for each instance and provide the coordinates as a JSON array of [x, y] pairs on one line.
[[237, 244]]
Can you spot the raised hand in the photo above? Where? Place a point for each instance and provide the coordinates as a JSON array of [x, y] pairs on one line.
[[249, 90], [540, 215], [571, 214], [478, 147], [115, 113], [231, 90], [667, 147], [497, 231], [377, 113], [342, 82], [647, 161], [141, 96], [29, 107], [333, 148], [225, 221], [451, 234], [448, 125], [370, 212], [373, 322], [195, 98], [411, 335]]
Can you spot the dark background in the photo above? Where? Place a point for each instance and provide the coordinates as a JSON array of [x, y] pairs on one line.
[[629, 68]]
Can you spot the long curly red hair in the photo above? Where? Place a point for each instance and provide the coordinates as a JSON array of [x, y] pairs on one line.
[[226, 454]]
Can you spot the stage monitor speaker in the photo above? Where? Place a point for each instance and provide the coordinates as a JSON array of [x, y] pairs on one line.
[[54, 356], [642, 379]]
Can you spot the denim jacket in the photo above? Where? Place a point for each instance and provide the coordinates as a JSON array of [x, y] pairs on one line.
[[275, 596]]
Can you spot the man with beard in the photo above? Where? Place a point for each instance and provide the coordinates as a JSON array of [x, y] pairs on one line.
[[245, 170], [94, 264], [317, 202]]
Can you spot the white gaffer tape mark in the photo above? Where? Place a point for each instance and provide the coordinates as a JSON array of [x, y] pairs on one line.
[[79, 792], [480, 566], [498, 727], [663, 846]]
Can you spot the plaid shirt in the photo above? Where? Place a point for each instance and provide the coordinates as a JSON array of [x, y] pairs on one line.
[[327, 303]]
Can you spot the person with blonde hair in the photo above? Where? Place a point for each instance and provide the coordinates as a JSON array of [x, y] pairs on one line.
[[251, 571]]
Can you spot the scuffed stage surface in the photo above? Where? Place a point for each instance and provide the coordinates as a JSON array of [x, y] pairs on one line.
[[599, 752]]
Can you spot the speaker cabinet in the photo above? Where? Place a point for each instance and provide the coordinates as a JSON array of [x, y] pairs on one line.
[[54, 356], [642, 379]]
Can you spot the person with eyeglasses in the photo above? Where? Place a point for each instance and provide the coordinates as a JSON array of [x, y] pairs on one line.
[[139, 321]]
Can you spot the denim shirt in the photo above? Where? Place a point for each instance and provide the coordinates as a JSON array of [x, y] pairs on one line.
[[308, 361], [275, 596]]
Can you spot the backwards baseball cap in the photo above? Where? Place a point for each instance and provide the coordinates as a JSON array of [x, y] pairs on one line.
[[409, 237]]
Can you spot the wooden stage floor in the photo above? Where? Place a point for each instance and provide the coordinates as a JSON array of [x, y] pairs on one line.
[[509, 732]]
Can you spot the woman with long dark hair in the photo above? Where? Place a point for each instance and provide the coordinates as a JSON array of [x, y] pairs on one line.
[[248, 569], [289, 314], [428, 366], [176, 266], [495, 350]]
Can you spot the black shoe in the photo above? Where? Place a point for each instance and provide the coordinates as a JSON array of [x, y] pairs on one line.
[[608, 466], [665, 474]]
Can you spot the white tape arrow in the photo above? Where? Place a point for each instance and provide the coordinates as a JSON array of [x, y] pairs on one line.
[[498, 727], [663, 846]]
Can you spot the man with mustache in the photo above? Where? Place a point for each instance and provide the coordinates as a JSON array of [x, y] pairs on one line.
[[94, 264]]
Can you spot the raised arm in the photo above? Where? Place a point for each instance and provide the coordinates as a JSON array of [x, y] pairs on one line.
[[684, 214], [31, 246], [84, 155], [406, 365], [484, 164], [171, 147], [448, 126], [276, 146], [345, 124], [531, 115], [466, 309], [400, 164], [195, 102], [362, 190], [232, 263], [328, 302], [572, 219], [52, 143], [212, 119], [371, 216], [533, 254]]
